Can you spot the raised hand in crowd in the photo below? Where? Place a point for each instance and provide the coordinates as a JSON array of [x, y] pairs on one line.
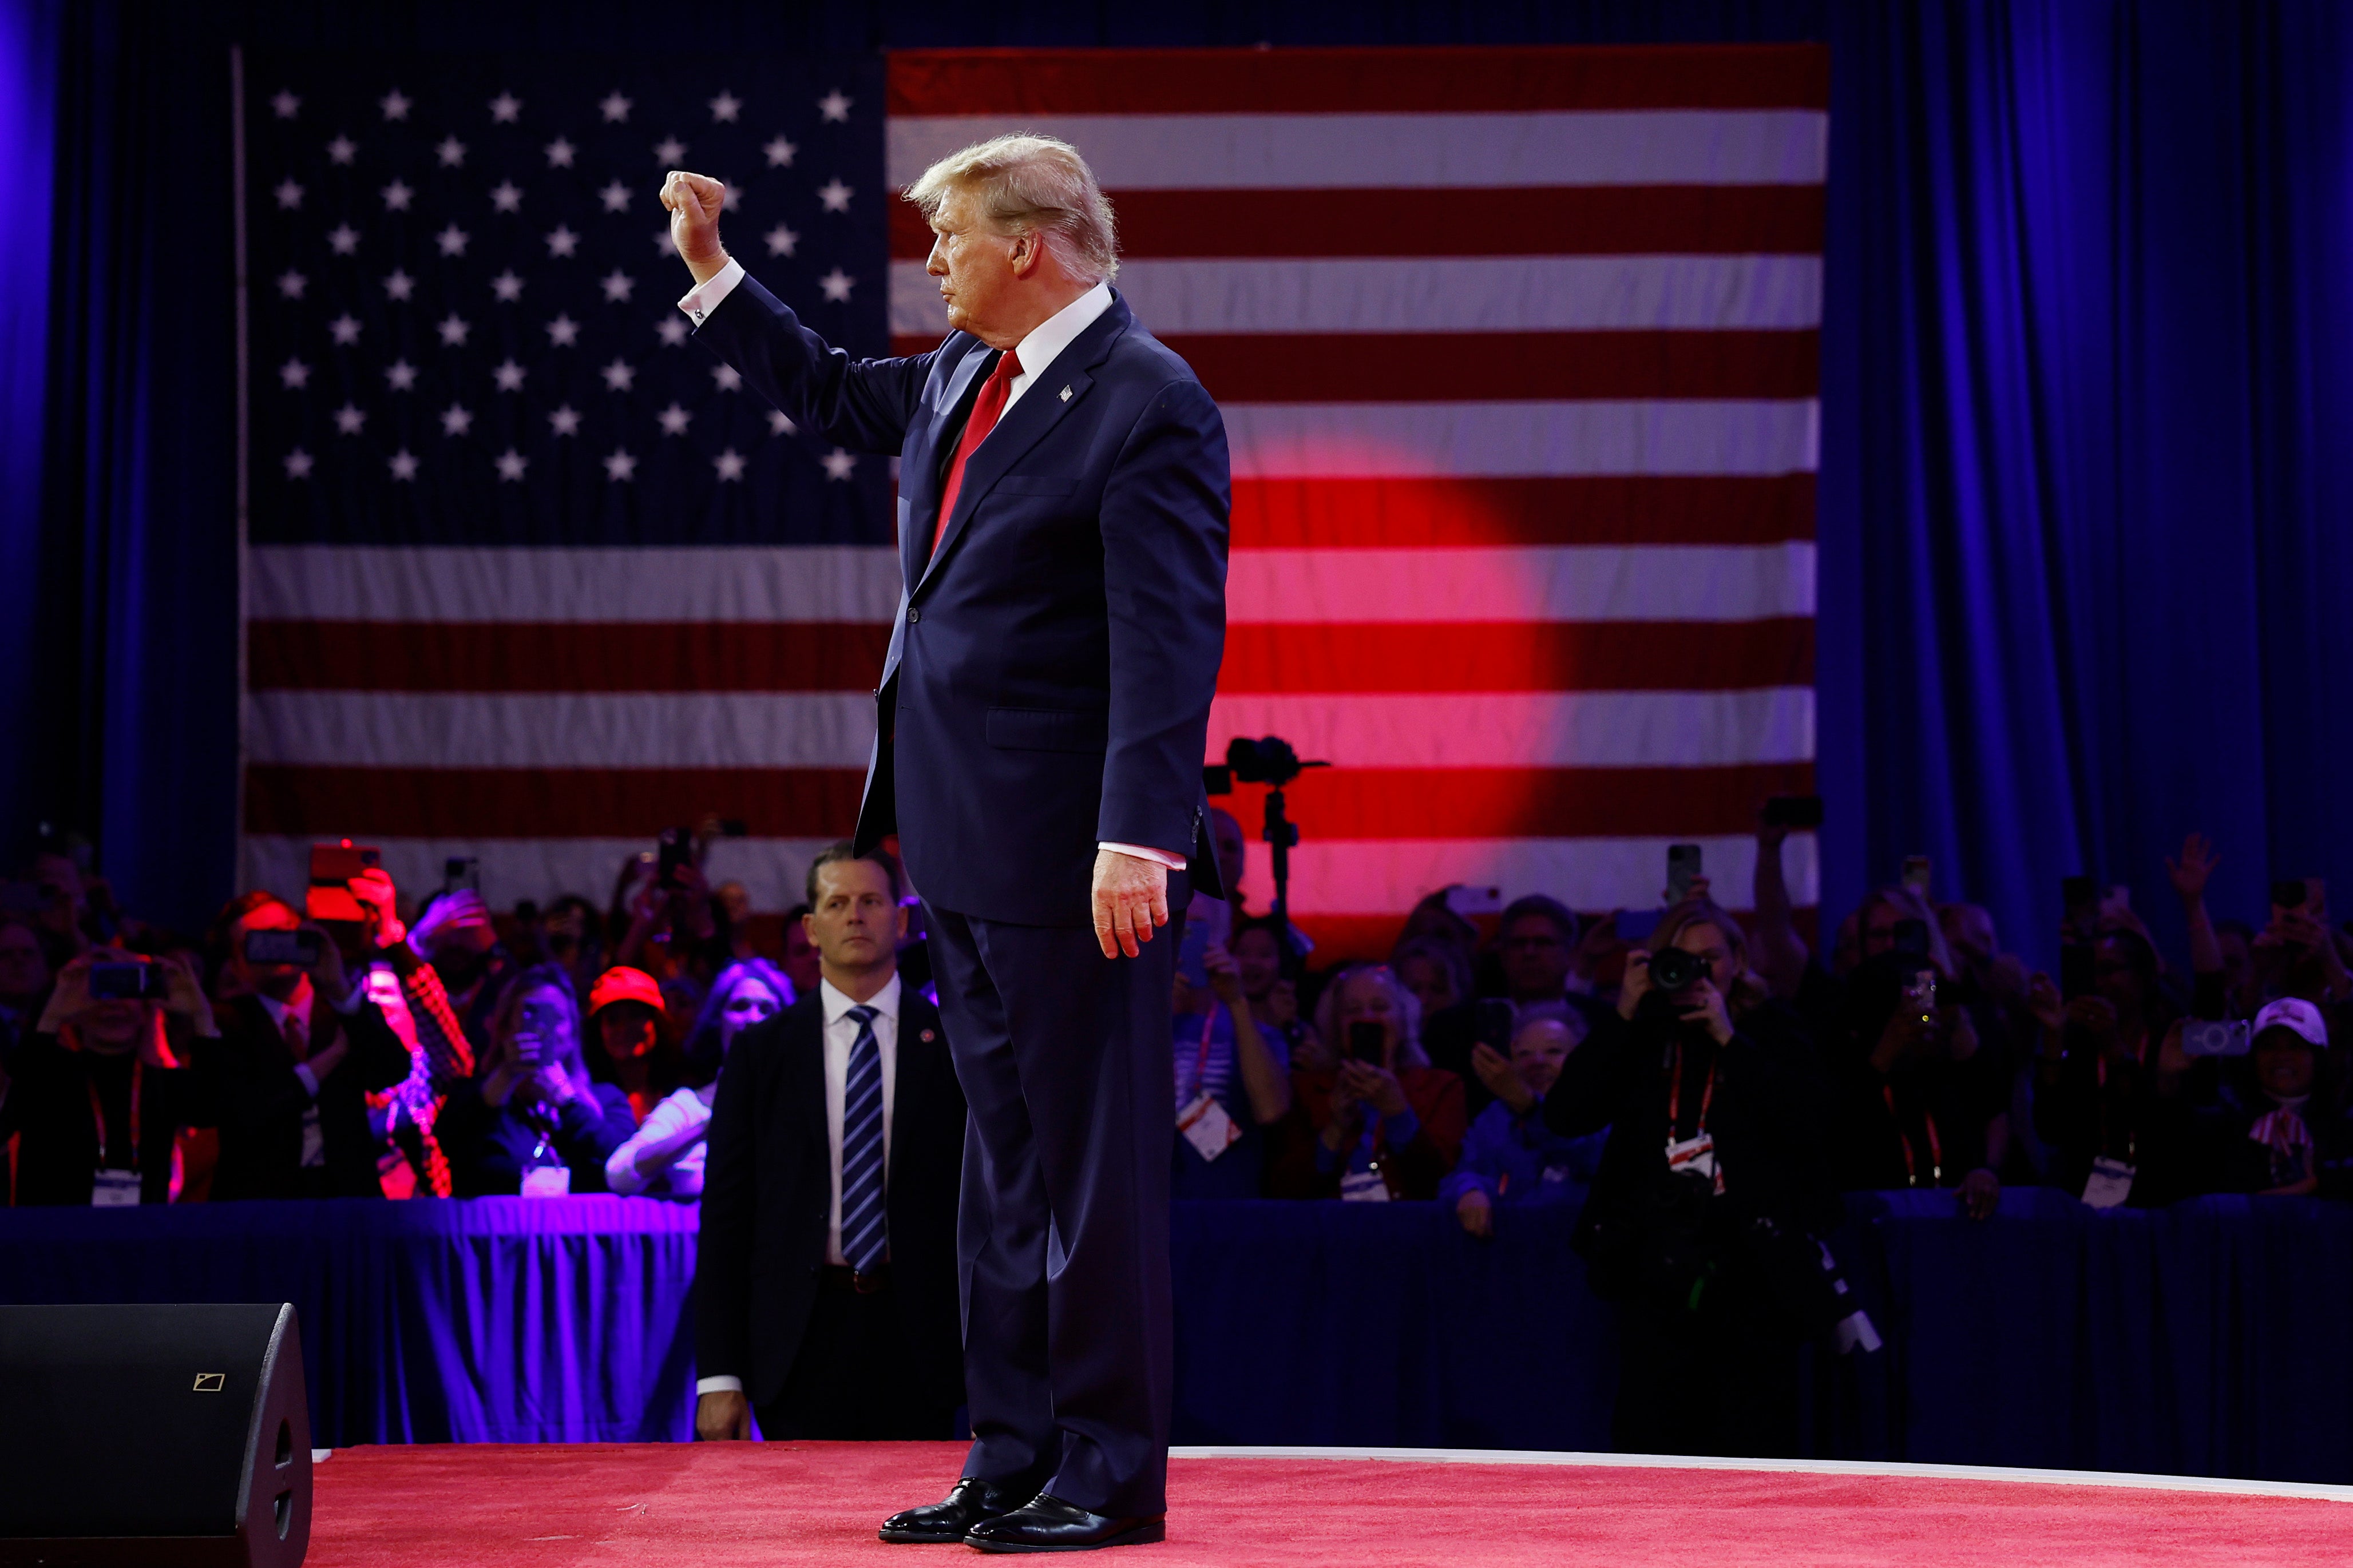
[[461, 918], [1476, 1210], [1979, 1194], [1502, 1080]]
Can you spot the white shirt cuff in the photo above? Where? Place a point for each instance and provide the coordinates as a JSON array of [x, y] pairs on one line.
[[721, 1384], [1157, 856], [704, 298], [309, 1079]]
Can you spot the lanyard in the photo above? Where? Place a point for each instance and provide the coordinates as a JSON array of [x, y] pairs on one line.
[[98, 1117], [1936, 1145], [1201, 1057], [1675, 1094], [2132, 1134]]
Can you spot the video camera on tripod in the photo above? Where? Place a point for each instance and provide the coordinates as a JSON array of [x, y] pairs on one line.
[[1273, 761]]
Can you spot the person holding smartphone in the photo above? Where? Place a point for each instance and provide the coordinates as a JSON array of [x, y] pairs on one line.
[[1380, 1122], [532, 1120]]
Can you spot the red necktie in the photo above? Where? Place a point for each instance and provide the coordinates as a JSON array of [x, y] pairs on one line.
[[985, 407]]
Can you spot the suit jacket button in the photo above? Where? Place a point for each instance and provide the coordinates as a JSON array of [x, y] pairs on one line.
[[914, 615]]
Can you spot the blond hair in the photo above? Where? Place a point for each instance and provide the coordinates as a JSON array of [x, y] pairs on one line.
[[1031, 184]]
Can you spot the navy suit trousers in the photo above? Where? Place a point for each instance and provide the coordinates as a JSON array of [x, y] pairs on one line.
[[1062, 1237]]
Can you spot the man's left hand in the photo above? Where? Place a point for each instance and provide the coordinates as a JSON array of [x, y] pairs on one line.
[[1131, 898]]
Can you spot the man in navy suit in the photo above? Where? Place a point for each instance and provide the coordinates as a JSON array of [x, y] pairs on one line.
[[1040, 725]]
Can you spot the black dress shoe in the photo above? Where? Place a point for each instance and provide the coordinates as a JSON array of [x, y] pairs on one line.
[[1049, 1524], [943, 1523]]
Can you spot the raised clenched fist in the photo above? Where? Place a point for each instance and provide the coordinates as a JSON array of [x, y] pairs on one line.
[[695, 202]]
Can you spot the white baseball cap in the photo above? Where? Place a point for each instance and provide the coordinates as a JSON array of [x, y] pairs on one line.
[[2294, 1013]]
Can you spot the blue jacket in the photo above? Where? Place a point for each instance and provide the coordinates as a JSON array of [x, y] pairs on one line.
[[1049, 678], [1518, 1159]]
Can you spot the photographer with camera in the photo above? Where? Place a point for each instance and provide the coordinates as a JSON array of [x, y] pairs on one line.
[[1380, 1123], [96, 1093], [1921, 1103], [533, 1121], [1711, 1190]]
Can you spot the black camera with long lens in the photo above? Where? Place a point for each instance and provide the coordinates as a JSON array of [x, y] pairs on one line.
[[1673, 970]]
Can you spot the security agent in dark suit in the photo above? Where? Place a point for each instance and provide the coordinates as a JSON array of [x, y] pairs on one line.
[[825, 1277], [1041, 721], [287, 1080]]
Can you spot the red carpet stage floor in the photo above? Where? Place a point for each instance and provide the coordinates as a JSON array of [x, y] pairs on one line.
[[717, 1506]]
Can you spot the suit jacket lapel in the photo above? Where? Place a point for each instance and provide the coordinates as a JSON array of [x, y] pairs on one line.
[[1026, 424], [919, 476]]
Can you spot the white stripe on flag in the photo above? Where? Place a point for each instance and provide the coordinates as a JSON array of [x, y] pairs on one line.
[[1358, 152], [1357, 877], [562, 730], [1543, 583], [1440, 294], [1437, 440], [1529, 729], [773, 870], [498, 583]]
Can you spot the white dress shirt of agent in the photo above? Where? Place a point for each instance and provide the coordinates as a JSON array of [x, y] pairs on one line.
[[664, 1158], [855, 926]]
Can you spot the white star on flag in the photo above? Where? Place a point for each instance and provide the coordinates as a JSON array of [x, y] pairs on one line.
[[394, 105], [294, 374], [504, 107], [780, 153], [290, 194], [837, 464], [349, 418], [451, 151], [780, 424], [563, 332], [453, 330], [729, 197], [452, 240], [511, 464], [834, 195], [343, 239], [562, 241], [729, 378], [565, 420], [298, 464], [662, 243], [836, 286], [344, 328], [730, 464], [559, 153], [457, 419], [725, 107], [618, 284], [617, 374], [670, 152], [615, 108], [620, 465], [400, 285], [285, 103], [507, 374], [615, 197], [341, 148], [507, 287], [291, 283], [835, 105], [674, 420], [506, 196], [781, 240], [401, 374], [396, 197], [404, 467], [670, 331]]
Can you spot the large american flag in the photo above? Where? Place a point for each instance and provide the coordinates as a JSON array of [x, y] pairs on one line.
[[1517, 353]]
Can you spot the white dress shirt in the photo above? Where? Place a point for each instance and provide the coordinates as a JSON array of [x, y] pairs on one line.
[[682, 1179], [840, 1034], [1037, 351]]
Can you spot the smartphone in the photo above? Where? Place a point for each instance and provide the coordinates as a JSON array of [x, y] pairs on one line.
[[1793, 810], [675, 848], [461, 871], [128, 982], [1365, 1039], [333, 864], [1466, 900], [2291, 892], [2215, 1037], [1916, 874], [1682, 869], [1920, 995], [302, 949]]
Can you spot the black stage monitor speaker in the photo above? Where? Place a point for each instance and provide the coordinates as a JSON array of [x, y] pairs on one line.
[[141, 1436]]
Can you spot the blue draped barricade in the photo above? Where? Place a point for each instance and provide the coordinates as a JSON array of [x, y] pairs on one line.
[[2214, 1338]]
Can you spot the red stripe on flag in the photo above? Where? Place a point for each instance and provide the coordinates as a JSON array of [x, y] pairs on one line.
[[1624, 655], [1373, 804], [1550, 220], [705, 655], [1402, 514], [547, 803], [1356, 81]]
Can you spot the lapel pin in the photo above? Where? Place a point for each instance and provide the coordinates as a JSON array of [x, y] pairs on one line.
[[927, 1036], [1066, 395]]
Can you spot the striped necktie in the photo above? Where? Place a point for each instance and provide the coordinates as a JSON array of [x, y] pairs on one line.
[[865, 1233]]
